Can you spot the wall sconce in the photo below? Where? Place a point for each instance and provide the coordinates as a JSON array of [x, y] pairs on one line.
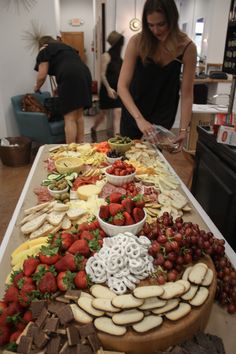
[[135, 23]]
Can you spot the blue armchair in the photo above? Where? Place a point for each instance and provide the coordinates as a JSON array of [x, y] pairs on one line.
[[36, 125]]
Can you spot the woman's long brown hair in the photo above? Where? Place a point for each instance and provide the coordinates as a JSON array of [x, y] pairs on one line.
[[148, 43]]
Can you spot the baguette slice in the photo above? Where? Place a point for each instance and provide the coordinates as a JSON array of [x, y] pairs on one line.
[[148, 323], [106, 325], [34, 224]]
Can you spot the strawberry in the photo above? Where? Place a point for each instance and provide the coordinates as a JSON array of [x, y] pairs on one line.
[[115, 208], [64, 241], [14, 336], [29, 266], [27, 316], [128, 218], [25, 281], [115, 197], [119, 219], [86, 235], [68, 262], [11, 294], [104, 212], [13, 308], [16, 276], [79, 246], [49, 255], [93, 225], [138, 214], [48, 283], [81, 280], [3, 318], [3, 306], [4, 335], [25, 298], [27, 288], [65, 281], [83, 226], [138, 201], [128, 205], [20, 326]]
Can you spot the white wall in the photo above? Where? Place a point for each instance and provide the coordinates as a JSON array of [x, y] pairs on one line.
[[82, 9], [16, 62]]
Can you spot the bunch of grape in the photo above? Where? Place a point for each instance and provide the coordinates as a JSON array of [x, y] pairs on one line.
[[177, 243]]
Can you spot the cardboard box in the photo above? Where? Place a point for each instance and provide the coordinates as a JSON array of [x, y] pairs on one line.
[[202, 119], [226, 135]]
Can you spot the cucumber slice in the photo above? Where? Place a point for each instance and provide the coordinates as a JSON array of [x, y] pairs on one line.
[[53, 176], [45, 182], [69, 183], [72, 176]]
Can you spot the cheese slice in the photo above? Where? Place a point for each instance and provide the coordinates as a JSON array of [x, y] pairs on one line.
[[84, 192]]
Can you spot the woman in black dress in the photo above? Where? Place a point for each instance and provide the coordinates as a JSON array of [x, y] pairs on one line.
[[111, 62], [149, 81], [73, 83]]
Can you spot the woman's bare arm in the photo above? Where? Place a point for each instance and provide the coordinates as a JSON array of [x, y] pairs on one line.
[[42, 75], [125, 78], [105, 60]]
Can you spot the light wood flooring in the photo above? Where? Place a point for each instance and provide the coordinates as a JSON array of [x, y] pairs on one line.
[[12, 181]]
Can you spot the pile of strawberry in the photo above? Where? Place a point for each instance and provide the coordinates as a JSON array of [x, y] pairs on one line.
[[122, 210], [120, 168], [59, 266]]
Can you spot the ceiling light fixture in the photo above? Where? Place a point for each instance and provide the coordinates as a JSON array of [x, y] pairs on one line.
[[135, 23]]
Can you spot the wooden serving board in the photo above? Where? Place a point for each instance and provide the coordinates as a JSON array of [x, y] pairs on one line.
[[169, 333]]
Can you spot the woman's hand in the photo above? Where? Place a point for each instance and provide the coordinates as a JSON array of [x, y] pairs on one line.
[[112, 93], [180, 141], [145, 127]]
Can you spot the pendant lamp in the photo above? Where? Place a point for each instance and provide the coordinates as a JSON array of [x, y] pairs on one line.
[[135, 23]]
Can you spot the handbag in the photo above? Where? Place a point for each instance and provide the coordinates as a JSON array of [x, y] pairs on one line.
[[52, 104]]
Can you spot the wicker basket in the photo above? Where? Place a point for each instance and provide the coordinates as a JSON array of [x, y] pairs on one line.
[[16, 155]]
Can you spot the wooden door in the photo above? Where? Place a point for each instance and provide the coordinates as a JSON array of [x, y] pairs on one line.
[[75, 40]]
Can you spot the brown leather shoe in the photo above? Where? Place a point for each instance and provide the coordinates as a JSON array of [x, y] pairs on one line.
[[93, 135]]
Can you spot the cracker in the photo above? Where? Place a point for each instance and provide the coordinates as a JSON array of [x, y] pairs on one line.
[[101, 291], [106, 325], [126, 301], [182, 311], [152, 303], [170, 305], [127, 317], [172, 289], [200, 297], [80, 315], [104, 305], [85, 303], [144, 292], [148, 323], [208, 277], [197, 273], [190, 293]]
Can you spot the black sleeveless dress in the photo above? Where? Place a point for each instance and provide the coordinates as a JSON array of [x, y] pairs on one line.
[[72, 75], [112, 75], [155, 91]]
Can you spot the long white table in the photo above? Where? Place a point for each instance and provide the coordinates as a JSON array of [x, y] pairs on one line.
[[220, 323]]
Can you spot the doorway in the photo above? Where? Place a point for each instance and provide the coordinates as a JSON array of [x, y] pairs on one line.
[[75, 40]]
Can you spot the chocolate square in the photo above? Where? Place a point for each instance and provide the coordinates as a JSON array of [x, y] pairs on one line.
[[73, 335], [94, 342], [51, 324], [86, 330], [36, 308], [62, 299], [83, 349], [65, 314], [25, 345], [40, 339], [73, 294], [54, 307], [42, 318], [53, 345]]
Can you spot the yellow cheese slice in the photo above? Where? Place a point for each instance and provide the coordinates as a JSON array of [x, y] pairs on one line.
[[84, 192]]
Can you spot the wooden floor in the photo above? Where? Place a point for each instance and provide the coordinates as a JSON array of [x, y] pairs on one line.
[[12, 181]]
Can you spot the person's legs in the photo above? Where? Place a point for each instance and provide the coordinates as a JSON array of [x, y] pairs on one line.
[[80, 126], [116, 120], [71, 126], [99, 119]]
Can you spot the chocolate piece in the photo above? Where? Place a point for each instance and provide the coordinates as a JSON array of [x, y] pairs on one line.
[[53, 345], [51, 324], [62, 299], [94, 341], [61, 331], [86, 330], [54, 307], [55, 295], [218, 343], [36, 308], [83, 349], [40, 339], [72, 294], [73, 335], [64, 348], [65, 314], [25, 345], [42, 318]]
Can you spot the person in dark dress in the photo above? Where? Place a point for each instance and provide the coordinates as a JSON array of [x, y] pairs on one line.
[[111, 62], [149, 81], [74, 83]]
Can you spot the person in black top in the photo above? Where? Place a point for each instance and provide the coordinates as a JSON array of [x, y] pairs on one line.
[[111, 62], [149, 81], [74, 83]]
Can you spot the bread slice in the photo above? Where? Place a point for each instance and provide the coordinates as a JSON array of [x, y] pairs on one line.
[[36, 208], [200, 297], [106, 325], [34, 224], [56, 217], [208, 277], [75, 213], [182, 310], [127, 317], [198, 273], [190, 293], [186, 273], [42, 230], [144, 292], [80, 315], [148, 323], [126, 301], [185, 283], [170, 305], [101, 291]]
